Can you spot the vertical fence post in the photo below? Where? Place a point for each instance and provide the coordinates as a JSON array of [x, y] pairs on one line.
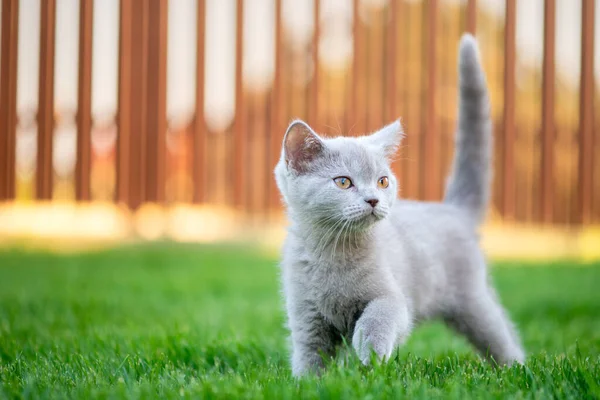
[[353, 117], [390, 85], [44, 171], [124, 112], [239, 133], [156, 109], [276, 135], [139, 104], [472, 16], [548, 112], [142, 119], [199, 173], [430, 156], [8, 97], [133, 72], [508, 139], [313, 113], [84, 107], [586, 112]]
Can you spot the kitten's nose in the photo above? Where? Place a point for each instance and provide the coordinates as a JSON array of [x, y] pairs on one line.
[[372, 202]]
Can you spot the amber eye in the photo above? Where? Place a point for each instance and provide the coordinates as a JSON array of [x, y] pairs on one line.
[[343, 182], [383, 182]]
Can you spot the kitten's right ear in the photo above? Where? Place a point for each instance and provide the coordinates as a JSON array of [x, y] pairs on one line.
[[301, 146]]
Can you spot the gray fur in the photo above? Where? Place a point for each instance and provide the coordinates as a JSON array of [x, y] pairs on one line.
[[469, 182], [369, 274]]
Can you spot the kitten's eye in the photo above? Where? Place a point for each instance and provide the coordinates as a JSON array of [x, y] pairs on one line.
[[383, 182], [343, 182]]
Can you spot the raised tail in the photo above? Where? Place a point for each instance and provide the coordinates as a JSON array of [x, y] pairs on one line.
[[469, 183]]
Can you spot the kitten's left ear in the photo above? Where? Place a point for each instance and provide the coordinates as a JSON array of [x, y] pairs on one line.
[[301, 146], [388, 138]]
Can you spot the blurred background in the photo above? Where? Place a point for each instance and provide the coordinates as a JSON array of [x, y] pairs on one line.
[[164, 119]]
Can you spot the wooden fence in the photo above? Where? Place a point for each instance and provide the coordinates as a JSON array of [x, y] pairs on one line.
[[402, 64]]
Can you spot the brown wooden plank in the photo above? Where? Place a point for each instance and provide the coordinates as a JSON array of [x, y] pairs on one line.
[[199, 158], [44, 170], [472, 16], [8, 97], [586, 113], [277, 129], [353, 120], [376, 69], [430, 159], [390, 87], [239, 133], [394, 47], [156, 109], [256, 188], [139, 105], [548, 129], [84, 110], [133, 85], [125, 95], [508, 171], [413, 98], [313, 108]]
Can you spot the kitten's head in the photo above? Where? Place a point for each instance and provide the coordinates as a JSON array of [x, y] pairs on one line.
[[343, 180]]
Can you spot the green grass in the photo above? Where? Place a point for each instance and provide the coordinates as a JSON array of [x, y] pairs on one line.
[[169, 320]]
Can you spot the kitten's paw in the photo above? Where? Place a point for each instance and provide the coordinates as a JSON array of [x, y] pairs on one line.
[[367, 341]]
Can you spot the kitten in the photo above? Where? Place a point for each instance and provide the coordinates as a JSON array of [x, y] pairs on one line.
[[362, 265]]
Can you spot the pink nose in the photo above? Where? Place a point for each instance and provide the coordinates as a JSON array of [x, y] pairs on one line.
[[372, 202]]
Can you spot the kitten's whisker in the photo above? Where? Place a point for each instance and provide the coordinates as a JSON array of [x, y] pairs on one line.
[[352, 127], [344, 240], [323, 220], [339, 131], [325, 238], [337, 239]]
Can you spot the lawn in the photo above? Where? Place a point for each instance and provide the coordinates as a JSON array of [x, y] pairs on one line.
[[169, 320]]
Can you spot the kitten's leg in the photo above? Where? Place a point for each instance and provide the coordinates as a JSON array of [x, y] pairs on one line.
[[382, 325], [481, 318], [312, 339]]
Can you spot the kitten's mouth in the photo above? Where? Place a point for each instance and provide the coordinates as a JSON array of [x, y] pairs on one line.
[[370, 217], [365, 218]]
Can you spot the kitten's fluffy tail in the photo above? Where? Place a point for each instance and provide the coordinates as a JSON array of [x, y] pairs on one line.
[[469, 183]]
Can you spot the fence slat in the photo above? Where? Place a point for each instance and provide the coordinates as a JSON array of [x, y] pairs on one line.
[[313, 111], [472, 16], [124, 114], [586, 112], [390, 86], [139, 107], [44, 171], [199, 173], [353, 116], [8, 97], [547, 184], [142, 87], [430, 155], [156, 109], [84, 107], [239, 133], [508, 139], [277, 130]]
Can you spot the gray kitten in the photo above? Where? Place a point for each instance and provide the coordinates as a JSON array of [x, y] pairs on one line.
[[360, 264]]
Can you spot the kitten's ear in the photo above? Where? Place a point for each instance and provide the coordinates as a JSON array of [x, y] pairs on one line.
[[301, 145], [388, 138]]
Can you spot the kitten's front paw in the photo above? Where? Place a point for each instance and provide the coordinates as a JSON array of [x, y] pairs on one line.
[[368, 338]]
